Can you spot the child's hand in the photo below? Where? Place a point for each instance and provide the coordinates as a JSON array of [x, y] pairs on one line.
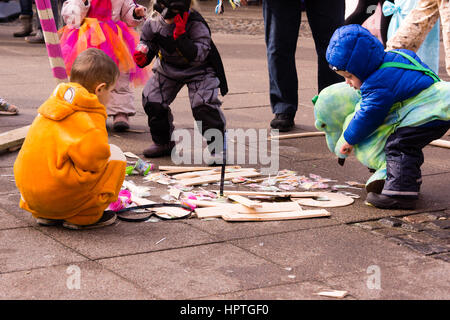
[[346, 149], [180, 24], [140, 11]]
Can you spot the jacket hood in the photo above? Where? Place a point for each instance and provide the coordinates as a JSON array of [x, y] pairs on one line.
[[68, 98], [354, 49]]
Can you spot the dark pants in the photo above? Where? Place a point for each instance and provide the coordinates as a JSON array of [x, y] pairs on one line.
[[26, 9], [404, 157], [282, 23], [160, 91]]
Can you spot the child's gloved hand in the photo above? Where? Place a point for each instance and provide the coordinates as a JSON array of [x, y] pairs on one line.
[[180, 24], [140, 58]]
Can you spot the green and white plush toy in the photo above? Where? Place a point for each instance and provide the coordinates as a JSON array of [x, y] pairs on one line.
[[335, 106]]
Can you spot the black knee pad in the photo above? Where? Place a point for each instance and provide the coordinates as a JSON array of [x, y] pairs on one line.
[[160, 122], [210, 118]]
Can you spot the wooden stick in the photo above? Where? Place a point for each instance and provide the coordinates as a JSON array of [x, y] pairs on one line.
[[217, 177], [276, 215], [188, 175], [13, 138], [178, 169], [441, 143], [297, 135], [244, 201]]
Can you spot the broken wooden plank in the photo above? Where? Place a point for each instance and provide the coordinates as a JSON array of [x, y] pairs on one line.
[[297, 135], [180, 169], [441, 143], [245, 201], [334, 200], [13, 138], [188, 175], [271, 216], [217, 177], [218, 211]]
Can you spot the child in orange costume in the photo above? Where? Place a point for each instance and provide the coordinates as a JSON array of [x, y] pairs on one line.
[[66, 170]]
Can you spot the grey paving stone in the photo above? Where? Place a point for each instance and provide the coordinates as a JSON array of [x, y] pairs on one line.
[[370, 225], [423, 248], [391, 222], [77, 281], [325, 252], [440, 234], [27, 248], [419, 279], [389, 232], [125, 238], [419, 218], [414, 227], [297, 291], [200, 271], [440, 224]]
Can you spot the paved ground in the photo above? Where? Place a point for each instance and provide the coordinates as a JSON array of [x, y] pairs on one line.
[[372, 254]]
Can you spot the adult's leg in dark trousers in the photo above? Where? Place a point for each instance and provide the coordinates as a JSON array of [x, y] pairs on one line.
[[281, 25], [26, 7], [404, 158], [324, 18]]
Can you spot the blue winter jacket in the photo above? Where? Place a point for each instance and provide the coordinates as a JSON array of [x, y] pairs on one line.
[[354, 49]]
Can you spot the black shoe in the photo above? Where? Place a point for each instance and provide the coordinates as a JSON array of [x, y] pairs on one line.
[[283, 122], [385, 202], [107, 219], [159, 150], [375, 186]]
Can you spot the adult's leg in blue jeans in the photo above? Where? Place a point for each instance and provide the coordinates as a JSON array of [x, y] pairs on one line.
[[324, 18], [26, 7], [281, 25]]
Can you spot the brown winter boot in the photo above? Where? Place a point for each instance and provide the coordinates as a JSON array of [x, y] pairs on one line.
[[27, 26]]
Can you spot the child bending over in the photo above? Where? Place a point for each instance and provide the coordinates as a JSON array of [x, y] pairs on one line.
[[394, 85], [66, 171]]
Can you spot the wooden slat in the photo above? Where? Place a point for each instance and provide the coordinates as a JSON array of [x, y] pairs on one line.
[[245, 201], [217, 177], [13, 138], [276, 215], [218, 211], [297, 135]]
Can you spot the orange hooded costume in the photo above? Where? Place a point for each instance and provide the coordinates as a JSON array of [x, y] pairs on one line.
[[63, 170]]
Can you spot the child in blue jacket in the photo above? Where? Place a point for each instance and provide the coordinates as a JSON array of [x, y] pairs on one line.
[[386, 79]]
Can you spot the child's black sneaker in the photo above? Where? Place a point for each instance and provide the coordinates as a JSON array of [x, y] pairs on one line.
[[48, 222], [107, 219], [386, 202]]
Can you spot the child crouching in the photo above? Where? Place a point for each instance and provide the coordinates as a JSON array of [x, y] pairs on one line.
[[66, 171]]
